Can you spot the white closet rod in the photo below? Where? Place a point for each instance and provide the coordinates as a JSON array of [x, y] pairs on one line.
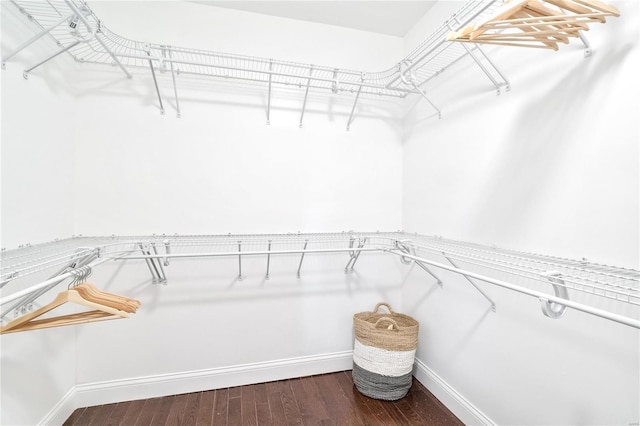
[[543, 297], [246, 253]]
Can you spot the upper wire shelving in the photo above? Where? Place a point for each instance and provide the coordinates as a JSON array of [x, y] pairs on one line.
[[76, 30], [55, 262]]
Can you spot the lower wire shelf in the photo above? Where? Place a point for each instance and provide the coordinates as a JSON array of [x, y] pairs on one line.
[[29, 272]]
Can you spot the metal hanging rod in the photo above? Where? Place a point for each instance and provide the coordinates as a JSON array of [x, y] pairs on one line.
[[428, 60]]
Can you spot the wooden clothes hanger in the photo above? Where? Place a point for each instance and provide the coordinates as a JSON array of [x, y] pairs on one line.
[[105, 306], [530, 23]]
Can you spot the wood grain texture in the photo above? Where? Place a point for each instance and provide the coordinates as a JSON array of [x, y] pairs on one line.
[[327, 400]]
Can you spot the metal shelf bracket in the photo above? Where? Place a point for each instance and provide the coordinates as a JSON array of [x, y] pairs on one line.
[[354, 255], [403, 247], [552, 309], [302, 257], [493, 305], [153, 263]]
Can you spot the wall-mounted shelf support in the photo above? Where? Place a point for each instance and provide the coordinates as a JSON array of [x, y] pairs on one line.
[[552, 309], [153, 263], [493, 305], [266, 277], [587, 45], [353, 108], [354, 255], [26, 72], [158, 263], [306, 94], [35, 38], [428, 271], [302, 257], [155, 82], [406, 247], [479, 62], [240, 276], [167, 250], [175, 87], [269, 94]]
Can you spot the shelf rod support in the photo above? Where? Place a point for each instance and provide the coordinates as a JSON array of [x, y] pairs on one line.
[[155, 82], [269, 99], [167, 249], [476, 60], [587, 45], [159, 268], [552, 309], [427, 99], [306, 93], [405, 248], [353, 108], [481, 50], [302, 257], [354, 255], [72, 45], [35, 38], [428, 271], [493, 305], [79, 14], [150, 265], [268, 260], [240, 277], [175, 87]]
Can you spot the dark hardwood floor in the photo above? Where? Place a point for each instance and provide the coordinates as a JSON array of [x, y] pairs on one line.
[[327, 399]]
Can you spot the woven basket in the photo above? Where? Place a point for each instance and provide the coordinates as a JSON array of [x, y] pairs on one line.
[[384, 352]]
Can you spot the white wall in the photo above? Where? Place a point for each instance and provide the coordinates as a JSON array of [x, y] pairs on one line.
[[220, 168], [37, 167], [36, 369], [550, 167], [205, 318]]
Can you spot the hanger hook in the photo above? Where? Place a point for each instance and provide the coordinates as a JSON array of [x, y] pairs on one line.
[[75, 273]]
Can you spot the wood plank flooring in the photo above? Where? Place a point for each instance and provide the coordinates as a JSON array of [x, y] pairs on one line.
[[327, 399]]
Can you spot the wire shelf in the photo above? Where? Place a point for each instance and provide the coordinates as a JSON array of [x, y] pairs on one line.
[[621, 284], [610, 282], [99, 45]]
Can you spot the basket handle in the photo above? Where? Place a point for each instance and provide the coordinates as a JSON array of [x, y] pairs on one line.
[[382, 304], [391, 320]]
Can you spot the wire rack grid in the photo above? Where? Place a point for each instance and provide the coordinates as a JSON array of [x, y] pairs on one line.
[[76, 27]]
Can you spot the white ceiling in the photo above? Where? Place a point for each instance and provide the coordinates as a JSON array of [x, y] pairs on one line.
[[386, 17]]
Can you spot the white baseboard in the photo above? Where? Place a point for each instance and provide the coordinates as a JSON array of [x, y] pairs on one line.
[[98, 393], [452, 399], [62, 410]]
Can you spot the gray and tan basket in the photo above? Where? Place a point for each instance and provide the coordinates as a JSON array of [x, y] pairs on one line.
[[383, 354]]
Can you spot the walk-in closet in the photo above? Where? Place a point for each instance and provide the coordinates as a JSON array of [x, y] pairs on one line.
[[198, 199]]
